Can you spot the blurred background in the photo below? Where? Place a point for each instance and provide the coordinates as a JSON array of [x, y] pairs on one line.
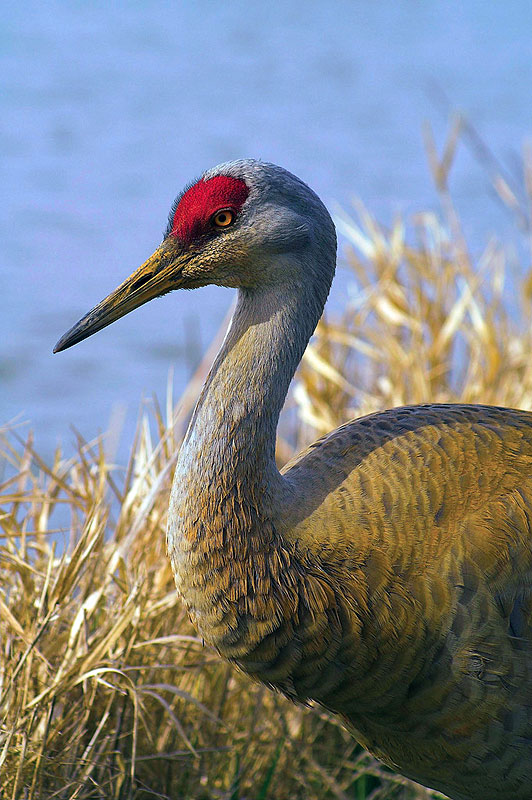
[[107, 109]]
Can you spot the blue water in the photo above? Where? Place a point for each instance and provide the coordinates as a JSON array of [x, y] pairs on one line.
[[108, 109]]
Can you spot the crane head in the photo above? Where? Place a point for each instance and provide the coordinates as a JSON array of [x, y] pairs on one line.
[[244, 224]]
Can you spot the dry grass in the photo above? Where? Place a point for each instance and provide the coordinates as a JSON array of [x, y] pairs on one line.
[[105, 690]]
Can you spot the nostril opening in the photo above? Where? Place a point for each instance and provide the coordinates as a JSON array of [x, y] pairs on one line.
[[140, 282]]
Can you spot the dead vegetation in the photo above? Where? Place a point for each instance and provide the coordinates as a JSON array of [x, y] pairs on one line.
[[105, 690]]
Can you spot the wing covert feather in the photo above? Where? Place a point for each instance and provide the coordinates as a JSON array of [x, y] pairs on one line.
[[417, 482]]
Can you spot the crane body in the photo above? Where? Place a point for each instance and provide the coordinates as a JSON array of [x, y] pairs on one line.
[[385, 572]]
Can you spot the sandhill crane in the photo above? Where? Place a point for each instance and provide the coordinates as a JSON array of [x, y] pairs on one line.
[[386, 572]]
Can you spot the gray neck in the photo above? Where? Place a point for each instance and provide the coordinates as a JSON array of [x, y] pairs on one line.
[[231, 438], [227, 492]]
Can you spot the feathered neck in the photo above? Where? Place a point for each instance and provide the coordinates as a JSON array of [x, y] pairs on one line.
[[233, 429], [227, 492]]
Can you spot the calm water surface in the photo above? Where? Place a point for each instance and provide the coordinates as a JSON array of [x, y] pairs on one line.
[[107, 110]]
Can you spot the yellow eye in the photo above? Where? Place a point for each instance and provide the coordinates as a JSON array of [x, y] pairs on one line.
[[223, 218]]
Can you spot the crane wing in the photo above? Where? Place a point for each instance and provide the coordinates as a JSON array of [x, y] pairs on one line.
[[418, 483], [422, 518]]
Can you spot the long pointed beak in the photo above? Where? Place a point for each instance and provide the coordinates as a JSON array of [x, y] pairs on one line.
[[158, 275]]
